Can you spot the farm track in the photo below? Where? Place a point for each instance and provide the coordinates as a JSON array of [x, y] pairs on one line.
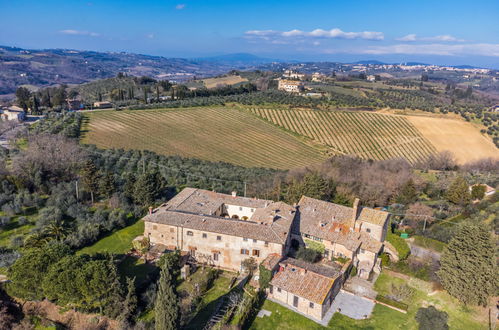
[[367, 135]]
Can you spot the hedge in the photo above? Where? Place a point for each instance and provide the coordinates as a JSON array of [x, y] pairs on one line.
[[400, 245], [391, 302]]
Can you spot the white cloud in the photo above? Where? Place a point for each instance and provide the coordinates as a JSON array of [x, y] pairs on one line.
[[180, 6], [317, 33], [440, 38], [482, 49], [79, 33]]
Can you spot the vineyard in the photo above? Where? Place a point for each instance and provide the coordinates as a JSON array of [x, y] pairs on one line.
[[367, 135], [216, 134]]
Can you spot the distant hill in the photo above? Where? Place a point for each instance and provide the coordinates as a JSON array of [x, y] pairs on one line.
[[41, 68], [238, 58], [366, 62]]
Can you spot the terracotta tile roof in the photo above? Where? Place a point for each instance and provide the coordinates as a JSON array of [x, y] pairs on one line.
[[195, 209], [201, 201], [332, 270], [271, 261], [317, 211], [246, 229], [301, 279]]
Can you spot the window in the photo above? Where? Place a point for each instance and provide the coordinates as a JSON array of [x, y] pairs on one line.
[[215, 256], [256, 253], [362, 251], [162, 236], [295, 301], [278, 289], [252, 210], [219, 238], [255, 241], [326, 253], [245, 239], [240, 208], [368, 230], [311, 305], [190, 233], [266, 243], [244, 251], [172, 230], [205, 235]]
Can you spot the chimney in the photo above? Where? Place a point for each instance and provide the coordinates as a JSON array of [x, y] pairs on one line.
[[355, 209], [234, 193], [150, 210]]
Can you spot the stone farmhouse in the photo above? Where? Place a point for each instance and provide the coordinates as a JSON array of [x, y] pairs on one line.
[[225, 230], [290, 86]]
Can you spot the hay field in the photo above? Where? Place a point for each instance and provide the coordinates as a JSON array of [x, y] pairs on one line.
[[216, 134], [228, 80], [462, 138], [365, 134]]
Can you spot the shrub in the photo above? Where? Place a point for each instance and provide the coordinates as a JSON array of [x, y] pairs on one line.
[[265, 277], [432, 318], [385, 259], [400, 245], [308, 255], [353, 271]]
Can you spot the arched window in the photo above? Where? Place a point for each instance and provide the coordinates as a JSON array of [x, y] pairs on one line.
[[235, 216], [244, 218]]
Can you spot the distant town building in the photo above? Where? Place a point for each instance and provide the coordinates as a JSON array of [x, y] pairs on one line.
[[318, 77], [290, 86], [290, 74], [13, 113], [371, 78], [103, 104]]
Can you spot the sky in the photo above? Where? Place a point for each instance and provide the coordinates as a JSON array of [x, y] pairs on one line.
[[438, 31]]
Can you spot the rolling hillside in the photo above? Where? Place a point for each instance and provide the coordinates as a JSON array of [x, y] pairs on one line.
[[284, 138], [365, 134], [216, 134]]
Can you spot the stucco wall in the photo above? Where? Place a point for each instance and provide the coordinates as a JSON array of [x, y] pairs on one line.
[[303, 304], [229, 247]]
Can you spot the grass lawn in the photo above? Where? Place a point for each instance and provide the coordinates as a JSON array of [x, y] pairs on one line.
[[118, 242], [209, 302], [14, 228], [460, 317], [429, 243]]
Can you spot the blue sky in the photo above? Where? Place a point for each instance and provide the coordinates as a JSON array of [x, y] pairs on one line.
[[443, 31]]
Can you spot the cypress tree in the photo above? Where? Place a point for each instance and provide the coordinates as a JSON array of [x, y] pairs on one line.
[[166, 309], [130, 302], [90, 178], [458, 192], [468, 266]]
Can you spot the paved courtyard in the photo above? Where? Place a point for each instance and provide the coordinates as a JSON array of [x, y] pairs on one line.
[[352, 306]]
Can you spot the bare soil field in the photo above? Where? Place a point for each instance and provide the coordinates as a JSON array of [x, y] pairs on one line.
[[461, 138], [229, 80]]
